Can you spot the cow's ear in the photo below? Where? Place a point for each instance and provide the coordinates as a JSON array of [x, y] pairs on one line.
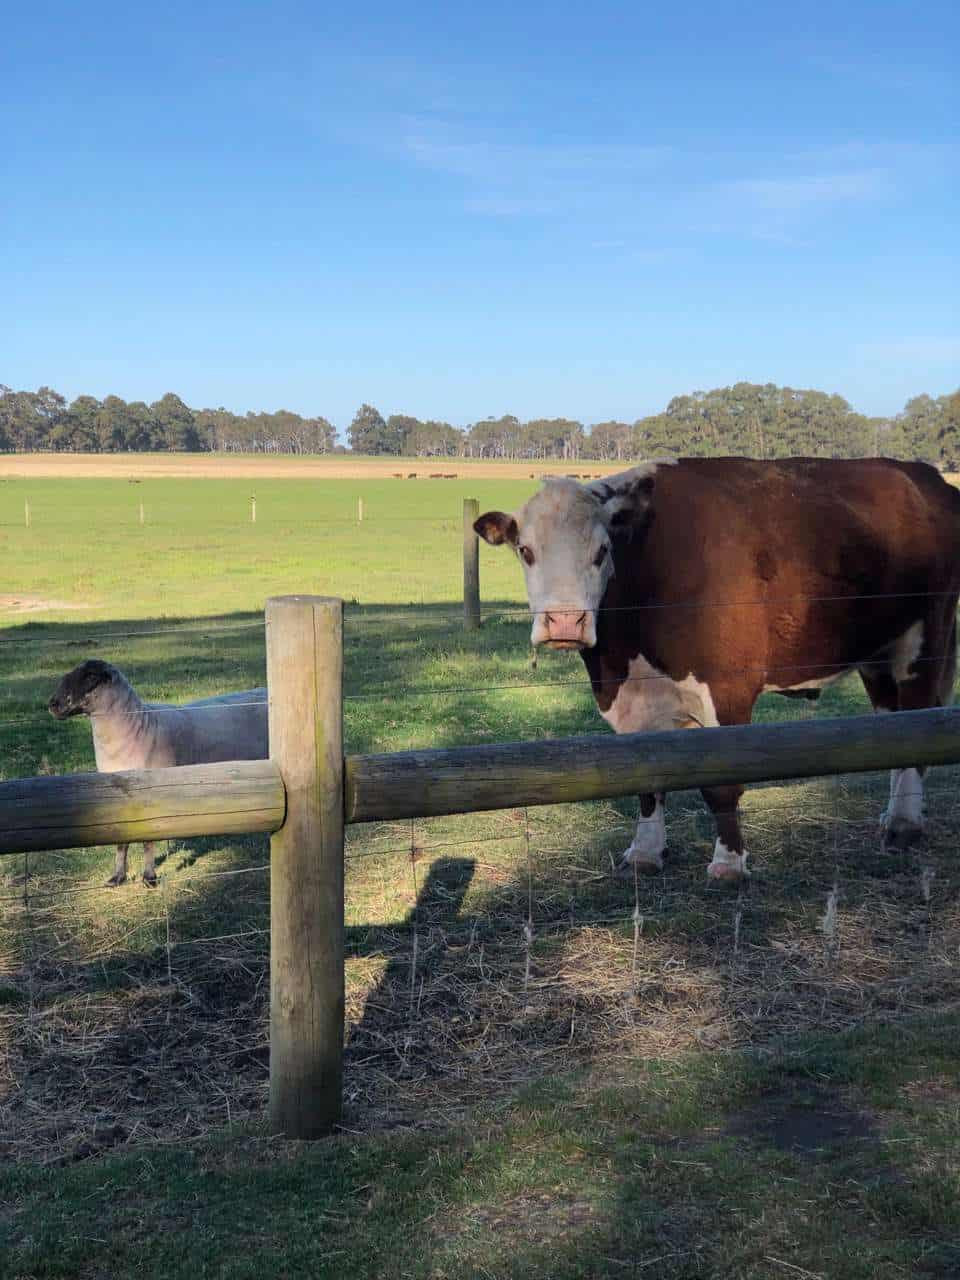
[[626, 498], [496, 527]]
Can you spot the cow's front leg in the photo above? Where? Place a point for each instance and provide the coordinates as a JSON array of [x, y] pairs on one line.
[[901, 823], [729, 860], [645, 853]]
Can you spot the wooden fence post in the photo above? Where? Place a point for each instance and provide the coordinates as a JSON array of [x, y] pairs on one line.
[[471, 566], [304, 679]]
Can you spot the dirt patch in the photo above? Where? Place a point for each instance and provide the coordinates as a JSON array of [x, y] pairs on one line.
[[35, 604], [547, 1217], [126, 466], [803, 1123]]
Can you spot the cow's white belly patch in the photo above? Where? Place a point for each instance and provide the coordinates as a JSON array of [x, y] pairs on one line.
[[648, 701], [905, 652]]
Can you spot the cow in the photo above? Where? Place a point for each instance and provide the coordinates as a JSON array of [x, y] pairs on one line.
[[691, 586]]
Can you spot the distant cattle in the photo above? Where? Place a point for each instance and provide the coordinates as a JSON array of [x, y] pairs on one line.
[[691, 587]]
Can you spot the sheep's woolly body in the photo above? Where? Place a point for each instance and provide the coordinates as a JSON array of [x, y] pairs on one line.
[[130, 734]]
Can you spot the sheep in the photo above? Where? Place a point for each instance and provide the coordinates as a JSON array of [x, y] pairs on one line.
[[130, 734]]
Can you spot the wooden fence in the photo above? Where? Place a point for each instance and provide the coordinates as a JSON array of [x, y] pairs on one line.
[[308, 790]]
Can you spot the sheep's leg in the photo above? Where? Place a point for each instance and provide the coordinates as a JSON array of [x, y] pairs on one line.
[[150, 862], [119, 865]]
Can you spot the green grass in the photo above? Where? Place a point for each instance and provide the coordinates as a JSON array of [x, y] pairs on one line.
[[199, 552], [839, 1160], [673, 1081]]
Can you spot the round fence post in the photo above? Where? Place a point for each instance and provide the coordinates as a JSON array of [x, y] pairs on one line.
[[304, 679], [471, 566]]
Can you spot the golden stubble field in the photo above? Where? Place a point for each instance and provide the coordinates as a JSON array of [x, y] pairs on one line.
[[95, 466]]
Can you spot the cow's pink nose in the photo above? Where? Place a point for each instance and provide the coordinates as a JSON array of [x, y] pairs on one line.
[[566, 625]]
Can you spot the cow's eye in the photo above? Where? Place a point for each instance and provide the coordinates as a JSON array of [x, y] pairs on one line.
[[601, 555], [526, 555]]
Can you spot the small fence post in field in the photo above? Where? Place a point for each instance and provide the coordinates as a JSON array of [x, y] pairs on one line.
[[471, 566], [253, 511], [26, 512], [305, 678]]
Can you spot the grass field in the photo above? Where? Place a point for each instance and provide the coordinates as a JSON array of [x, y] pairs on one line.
[[657, 1079]]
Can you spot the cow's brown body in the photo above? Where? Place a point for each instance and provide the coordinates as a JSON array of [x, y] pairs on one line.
[[732, 576]]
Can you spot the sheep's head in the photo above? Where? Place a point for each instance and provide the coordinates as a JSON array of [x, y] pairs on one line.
[[80, 690]]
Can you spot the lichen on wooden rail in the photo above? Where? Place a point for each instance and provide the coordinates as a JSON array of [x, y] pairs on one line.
[[79, 810], [421, 784]]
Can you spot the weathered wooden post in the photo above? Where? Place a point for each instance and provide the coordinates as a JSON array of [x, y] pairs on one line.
[[304, 678], [471, 566]]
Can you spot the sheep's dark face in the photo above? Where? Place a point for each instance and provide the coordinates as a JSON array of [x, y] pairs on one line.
[[79, 691]]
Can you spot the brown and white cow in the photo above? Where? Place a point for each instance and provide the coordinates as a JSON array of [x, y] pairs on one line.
[[691, 587]]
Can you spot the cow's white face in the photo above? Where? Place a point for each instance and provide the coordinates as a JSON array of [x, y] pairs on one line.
[[563, 538]]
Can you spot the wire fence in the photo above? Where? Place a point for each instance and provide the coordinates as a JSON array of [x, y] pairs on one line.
[[483, 950]]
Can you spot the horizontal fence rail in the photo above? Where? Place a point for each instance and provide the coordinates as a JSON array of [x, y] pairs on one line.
[[86, 809], [423, 784]]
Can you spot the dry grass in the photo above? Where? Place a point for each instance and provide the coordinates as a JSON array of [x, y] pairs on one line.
[[122, 1019]]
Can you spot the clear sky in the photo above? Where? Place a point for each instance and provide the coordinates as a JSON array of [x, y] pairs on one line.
[[456, 210]]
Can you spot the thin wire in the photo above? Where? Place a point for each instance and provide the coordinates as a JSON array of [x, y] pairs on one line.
[[653, 605], [110, 889], [528, 934], [154, 708], [518, 612], [838, 668], [204, 631]]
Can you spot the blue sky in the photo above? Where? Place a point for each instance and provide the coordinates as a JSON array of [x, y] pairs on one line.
[[460, 210]]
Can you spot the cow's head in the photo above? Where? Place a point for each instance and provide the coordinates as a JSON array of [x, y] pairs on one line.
[[80, 691], [563, 537]]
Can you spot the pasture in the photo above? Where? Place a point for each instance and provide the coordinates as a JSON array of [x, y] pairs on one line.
[[550, 1072]]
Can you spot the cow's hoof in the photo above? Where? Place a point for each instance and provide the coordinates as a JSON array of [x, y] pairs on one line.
[[150, 879], [899, 834], [115, 880], [726, 866], [646, 866]]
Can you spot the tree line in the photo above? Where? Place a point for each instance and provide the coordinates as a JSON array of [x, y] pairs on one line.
[[42, 421], [759, 420]]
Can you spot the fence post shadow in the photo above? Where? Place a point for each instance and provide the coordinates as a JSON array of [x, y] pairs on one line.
[[446, 884]]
